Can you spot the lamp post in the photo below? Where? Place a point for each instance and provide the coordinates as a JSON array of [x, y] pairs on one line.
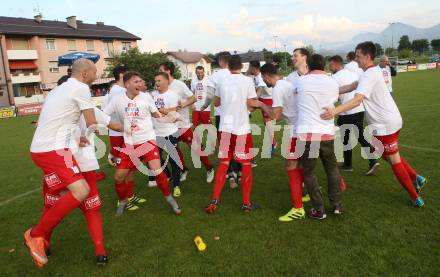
[[285, 59], [275, 39], [392, 34]]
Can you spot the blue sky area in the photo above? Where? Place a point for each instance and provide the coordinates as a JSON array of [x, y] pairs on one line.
[[211, 26]]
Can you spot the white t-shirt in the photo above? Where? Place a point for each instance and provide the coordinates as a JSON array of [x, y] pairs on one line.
[[115, 91], [315, 92], [284, 95], [293, 77], [198, 87], [136, 114], [259, 82], [234, 92], [214, 81], [86, 156], [386, 73], [183, 93], [168, 99], [59, 116], [382, 112], [346, 77], [354, 67]]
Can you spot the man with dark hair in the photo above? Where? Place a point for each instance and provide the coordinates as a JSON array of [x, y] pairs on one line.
[[299, 59], [352, 119], [117, 138], [284, 106], [264, 95], [237, 95], [137, 109], [198, 87], [186, 99], [316, 90], [352, 65], [384, 118]]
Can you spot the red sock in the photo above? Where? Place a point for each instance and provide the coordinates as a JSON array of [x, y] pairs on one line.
[[129, 189], [296, 179], [404, 179], [120, 191], [48, 235], [162, 183], [246, 183], [94, 225], [220, 177], [181, 158], [409, 169], [205, 162], [342, 184], [54, 215]]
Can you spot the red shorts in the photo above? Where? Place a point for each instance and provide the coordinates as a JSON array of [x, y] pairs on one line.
[[59, 167], [389, 142], [201, 117], [291, 155], [267, 102], [134, 155], [186, 136], [92, 202], [116, 142], [237, 147]]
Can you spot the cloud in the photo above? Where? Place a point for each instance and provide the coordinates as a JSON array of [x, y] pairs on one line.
[[153, 45]]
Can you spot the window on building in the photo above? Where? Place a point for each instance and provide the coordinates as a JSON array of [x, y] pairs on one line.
[[108, 47], [71, 45], [53, 67], [90, 45], [126, 45], [50, 44], [20, 44]]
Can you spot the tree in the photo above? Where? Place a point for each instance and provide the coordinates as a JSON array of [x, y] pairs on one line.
[[268, 55], [404, 43], [147, 64], [282, 58], [405, 53], [420, 45], [379, 50], [389, 51], [311, 49], [435, 44]]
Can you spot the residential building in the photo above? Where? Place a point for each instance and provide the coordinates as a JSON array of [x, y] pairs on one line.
[[188, 61], [31, 48]]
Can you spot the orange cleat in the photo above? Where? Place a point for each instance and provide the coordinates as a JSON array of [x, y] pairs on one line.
[[36, 248], [212, 206]]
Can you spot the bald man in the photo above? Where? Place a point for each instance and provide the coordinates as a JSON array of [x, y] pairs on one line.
[[388, 72], [50, 151]]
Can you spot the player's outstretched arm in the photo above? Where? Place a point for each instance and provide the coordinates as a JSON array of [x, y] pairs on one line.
[[348, 88], [210, 91], [191, 100], [253, 103], [116, 126], [331, 112]]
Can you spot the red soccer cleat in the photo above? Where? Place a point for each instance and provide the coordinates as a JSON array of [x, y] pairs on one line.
[[36, 248]]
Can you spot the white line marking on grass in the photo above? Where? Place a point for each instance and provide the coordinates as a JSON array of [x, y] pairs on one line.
[[31, 191], [420, 148]]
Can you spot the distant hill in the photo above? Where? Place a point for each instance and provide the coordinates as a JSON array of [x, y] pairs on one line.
[[391, 33]]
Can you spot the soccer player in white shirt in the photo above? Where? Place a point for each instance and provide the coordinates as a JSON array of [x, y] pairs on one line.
[[354, 118], [186, 99], [236, 94], [199, 88], [384, 117], [167, 134], [352, 65], [284, 107], [388, 72], [299, 60], [137, 108], [50, 151], [316, 90]]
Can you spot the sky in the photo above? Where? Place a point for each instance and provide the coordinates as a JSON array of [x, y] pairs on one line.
[[212, 26]]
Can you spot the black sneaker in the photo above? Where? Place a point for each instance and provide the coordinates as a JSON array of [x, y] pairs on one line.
[[101, 260], [48, 252], [316, 214], [249, 208], [346, 168], [372, 168], [337, 210]]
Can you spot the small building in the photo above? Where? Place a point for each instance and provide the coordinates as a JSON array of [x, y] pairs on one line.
[[188, 61], [247, 57], [30, 49]]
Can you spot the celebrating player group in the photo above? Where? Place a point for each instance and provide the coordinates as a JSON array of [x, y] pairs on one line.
[[148, 128]]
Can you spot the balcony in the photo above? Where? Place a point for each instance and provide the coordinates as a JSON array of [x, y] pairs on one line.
[[26, 78], [22, 55]]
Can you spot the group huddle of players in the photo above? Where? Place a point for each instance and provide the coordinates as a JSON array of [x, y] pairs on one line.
[[147, 127]]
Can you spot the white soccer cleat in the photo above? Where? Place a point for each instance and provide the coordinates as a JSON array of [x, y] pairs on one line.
[[210, 175]]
